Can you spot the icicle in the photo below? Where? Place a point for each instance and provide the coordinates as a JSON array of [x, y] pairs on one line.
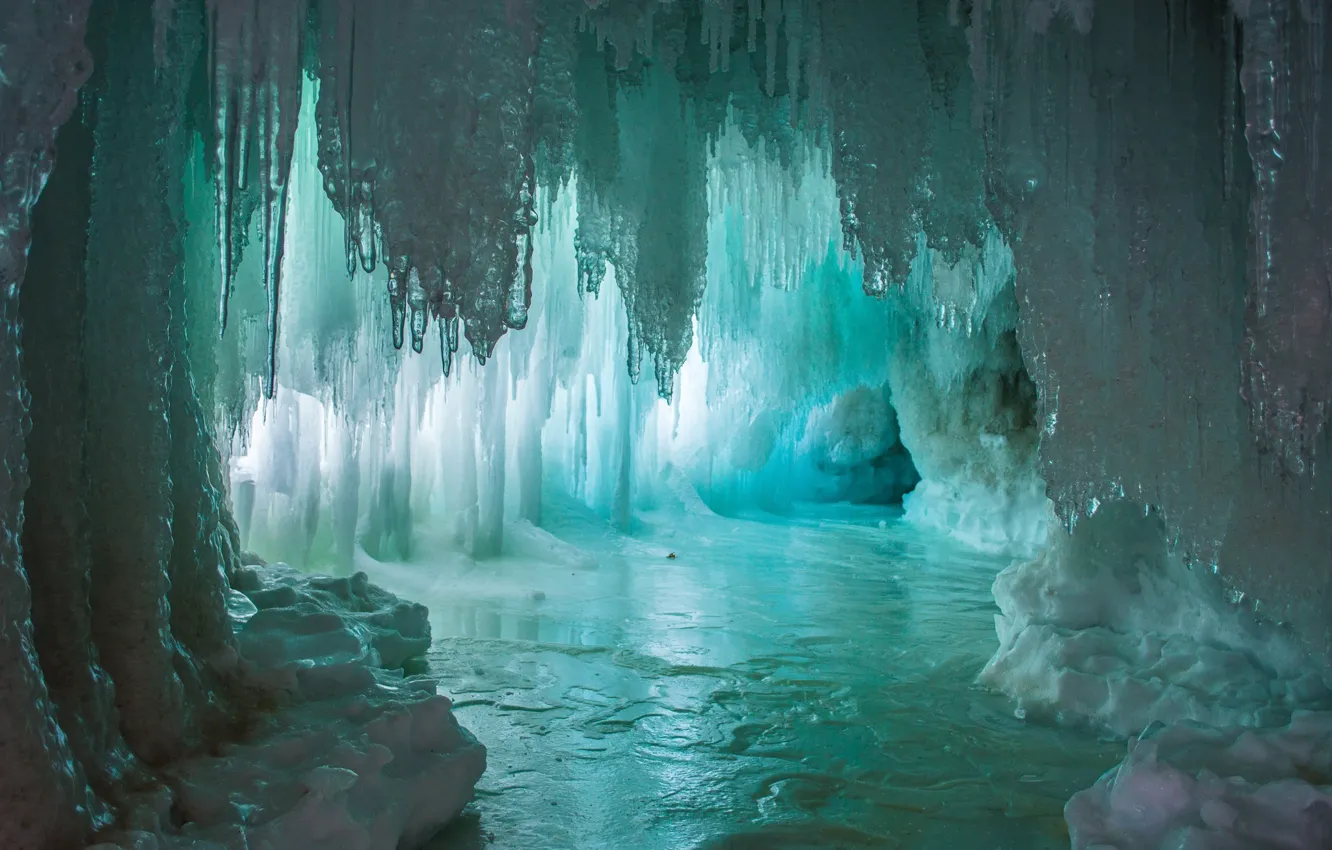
[[635, 357], [245, 98], [365, 226], [519, 297], [448, 337], [397, 290], [772, 20], [225, 24], [416, 302]]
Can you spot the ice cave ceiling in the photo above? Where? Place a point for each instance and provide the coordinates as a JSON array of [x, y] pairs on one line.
[[1158, 173]]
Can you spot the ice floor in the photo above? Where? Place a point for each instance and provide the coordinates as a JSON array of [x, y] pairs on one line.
[[762, 682]]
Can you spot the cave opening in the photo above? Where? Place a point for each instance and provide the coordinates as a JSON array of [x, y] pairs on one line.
[[665, 423]]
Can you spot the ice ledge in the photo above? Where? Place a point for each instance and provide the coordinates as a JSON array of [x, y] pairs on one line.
[[356, 756]]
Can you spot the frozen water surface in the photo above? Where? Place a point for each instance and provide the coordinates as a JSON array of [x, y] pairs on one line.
[[796, 681]]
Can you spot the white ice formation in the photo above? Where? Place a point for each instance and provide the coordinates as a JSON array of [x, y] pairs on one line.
[[1188, 786], [1109, 627]]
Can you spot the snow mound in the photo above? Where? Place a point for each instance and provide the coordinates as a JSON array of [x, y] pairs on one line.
[[1107, 626], [1184, 787], [358, 755]]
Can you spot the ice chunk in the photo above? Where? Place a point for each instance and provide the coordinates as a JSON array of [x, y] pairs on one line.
[[1188, 786], [356, 756]]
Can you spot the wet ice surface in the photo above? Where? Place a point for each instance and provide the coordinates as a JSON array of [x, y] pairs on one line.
[[781, 682]]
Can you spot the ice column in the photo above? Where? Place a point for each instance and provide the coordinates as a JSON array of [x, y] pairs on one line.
[[56, 534], [42, 58]]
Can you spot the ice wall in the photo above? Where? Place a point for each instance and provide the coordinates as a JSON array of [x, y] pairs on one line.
[[965, 401], [789, 390], [1119, 169]]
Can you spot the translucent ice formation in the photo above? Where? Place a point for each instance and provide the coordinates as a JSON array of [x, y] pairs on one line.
[[965, 403]]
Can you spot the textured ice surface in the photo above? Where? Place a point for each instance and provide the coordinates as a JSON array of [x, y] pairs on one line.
[[355, 756], [1187, 786], [1108, 627], [801, 681], [931, 125], [362, 441]]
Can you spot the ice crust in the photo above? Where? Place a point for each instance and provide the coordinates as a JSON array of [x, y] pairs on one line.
[[1226, 712], [355, 755]]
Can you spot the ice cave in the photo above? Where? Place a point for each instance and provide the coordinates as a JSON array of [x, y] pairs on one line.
[[665, 424]]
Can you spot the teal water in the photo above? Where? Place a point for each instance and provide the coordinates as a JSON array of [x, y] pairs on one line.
[[782, 682]]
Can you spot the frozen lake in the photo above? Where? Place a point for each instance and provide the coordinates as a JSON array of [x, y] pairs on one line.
[[781, 682]]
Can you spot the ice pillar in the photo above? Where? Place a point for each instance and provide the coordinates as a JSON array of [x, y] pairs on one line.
[[43, 60]]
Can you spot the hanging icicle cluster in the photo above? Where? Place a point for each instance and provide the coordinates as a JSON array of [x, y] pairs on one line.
[[255, 60]]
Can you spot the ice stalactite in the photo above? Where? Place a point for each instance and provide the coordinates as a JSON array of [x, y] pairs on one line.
[[879, 88], [597, 146], [43, 61], [457, 218], [255, 63], [662, 193]]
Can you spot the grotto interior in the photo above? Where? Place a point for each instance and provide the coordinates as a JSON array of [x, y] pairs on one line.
[[665, 424]]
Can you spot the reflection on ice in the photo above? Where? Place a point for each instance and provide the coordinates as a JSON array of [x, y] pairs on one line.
[[781, 682]]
